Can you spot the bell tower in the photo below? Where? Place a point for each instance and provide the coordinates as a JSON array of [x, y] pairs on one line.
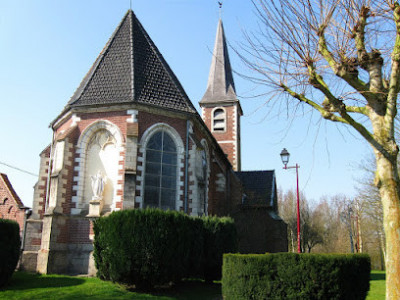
[[221, 110]]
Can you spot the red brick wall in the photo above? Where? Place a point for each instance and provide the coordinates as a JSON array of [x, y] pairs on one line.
[[228, 134], [220, 202]]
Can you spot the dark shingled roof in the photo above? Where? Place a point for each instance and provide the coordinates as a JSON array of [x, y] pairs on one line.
[[259, 186], [131, 69]]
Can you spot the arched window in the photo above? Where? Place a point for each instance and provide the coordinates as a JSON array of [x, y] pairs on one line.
[[160, 182], [219, 120]]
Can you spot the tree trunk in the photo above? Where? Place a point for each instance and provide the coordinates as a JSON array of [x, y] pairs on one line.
[[360, 240], [382, 250], [388, 184]]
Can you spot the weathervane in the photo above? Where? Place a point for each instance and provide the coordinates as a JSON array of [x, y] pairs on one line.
[[220, 8]]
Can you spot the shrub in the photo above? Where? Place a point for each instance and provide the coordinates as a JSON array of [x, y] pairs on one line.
[[219, 237], [146, 247], [295, 276], [10, 244], [149, 247]]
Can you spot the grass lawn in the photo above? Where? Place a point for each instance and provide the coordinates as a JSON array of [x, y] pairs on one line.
[[34, 286], [377, 288]]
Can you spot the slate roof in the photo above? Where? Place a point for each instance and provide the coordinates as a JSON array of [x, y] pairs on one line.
[[259, 187], [10, 188], [220, 86], [130, 69]]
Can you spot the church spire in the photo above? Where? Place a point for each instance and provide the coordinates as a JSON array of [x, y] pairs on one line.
[[220, 87], [220, 107]]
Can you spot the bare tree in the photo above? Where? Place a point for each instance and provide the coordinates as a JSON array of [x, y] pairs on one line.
[[342, 59], [311, 228], [371, 204], [287, 210]]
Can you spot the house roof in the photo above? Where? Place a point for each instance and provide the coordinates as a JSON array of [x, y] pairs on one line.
[[258, 186], [220, 86], [11, 190], [131, 69]]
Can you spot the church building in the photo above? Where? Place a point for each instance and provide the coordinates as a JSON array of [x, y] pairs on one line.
[[130, 138]]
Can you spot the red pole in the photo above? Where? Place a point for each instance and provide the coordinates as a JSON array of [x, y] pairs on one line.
[[298, 212]]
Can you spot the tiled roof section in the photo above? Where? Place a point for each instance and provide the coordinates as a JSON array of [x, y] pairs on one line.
[[155, 83], [10, 188], [220, 86], [258, 186], [131, 69]]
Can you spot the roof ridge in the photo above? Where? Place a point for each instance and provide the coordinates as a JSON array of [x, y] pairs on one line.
[[130, 69], [166, 66], [89, 75]]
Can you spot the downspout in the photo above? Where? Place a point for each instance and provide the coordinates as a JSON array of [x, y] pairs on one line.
[[49, 172], [186, 202]]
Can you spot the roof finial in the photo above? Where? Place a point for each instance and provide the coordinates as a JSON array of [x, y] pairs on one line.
[[130, 4], [220, 8]]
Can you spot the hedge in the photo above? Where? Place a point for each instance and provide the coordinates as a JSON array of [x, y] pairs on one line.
[[295, 276], [150, 247], [220, 237], [10, 244]]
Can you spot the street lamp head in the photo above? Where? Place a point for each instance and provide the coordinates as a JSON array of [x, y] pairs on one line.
[[285, 156]]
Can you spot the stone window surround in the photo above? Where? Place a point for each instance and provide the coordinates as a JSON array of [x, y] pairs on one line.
[[81, 149], [222, 117], [180, 149]]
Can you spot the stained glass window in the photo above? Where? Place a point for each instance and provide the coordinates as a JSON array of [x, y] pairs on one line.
[[160, 183]]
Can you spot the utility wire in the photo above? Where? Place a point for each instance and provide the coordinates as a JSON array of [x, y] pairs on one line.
[[12, 167]]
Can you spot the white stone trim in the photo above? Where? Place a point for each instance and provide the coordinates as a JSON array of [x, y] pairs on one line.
[[75, 120], [133, 117], [142, 149], [81, 148], [234, 133], [226, 142]]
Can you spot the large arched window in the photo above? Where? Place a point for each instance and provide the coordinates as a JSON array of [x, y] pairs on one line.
[[219, 120], [160, 182]]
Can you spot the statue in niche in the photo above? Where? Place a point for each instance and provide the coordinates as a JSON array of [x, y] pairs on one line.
[[98, 183]]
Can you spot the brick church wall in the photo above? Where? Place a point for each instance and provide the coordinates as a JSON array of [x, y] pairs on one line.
[[228, 140]]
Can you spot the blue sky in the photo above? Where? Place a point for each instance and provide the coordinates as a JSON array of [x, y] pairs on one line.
[[46, 48]]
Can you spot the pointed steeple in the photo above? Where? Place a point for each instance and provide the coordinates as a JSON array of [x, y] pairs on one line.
[[220, 87], [130, 69], [220, 107]]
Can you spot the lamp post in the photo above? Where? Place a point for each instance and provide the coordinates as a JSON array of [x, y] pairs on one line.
[[285, 160]]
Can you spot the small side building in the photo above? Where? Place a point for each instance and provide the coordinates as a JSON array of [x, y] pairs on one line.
[[11, 206], [260, 229]]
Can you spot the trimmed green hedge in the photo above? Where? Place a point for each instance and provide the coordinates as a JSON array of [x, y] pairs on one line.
[[295, 276], [10, 244], [220, 237], [149, 247]]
